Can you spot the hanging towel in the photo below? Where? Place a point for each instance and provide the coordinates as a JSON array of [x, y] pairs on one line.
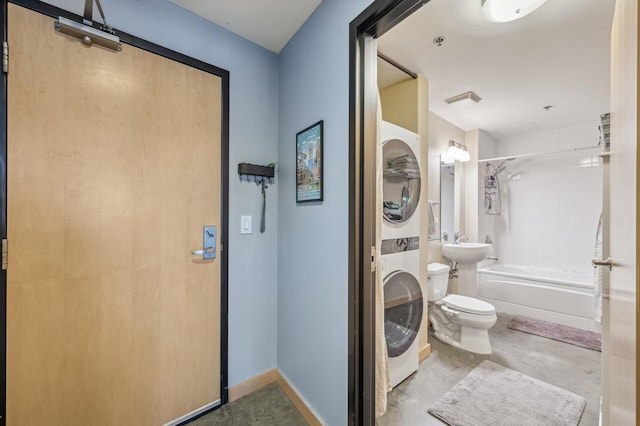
[[382, 379], [597, 274], [433, 229]]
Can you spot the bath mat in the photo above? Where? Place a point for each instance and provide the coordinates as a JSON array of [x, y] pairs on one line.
[[563, 333], [495, 395]]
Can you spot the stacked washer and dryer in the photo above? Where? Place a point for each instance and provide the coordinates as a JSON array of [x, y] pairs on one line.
[[400, 251]]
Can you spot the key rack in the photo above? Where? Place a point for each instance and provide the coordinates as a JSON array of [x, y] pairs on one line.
[[261, 175], [255, 173]]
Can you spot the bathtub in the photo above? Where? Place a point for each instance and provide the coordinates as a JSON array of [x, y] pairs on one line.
[[560, 297]]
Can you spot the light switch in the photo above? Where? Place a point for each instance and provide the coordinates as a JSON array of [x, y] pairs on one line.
[[245, 224]]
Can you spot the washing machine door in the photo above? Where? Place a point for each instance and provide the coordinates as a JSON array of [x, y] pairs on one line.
[[402, 311]]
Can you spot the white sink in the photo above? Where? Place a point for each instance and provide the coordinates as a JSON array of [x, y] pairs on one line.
[[466, 252]]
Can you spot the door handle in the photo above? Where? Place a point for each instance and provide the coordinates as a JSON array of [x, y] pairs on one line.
[[608, 262], [202, 251], [208, 242]]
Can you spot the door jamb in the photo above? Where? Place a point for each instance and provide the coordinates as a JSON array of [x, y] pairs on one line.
[[129, 39], [372, 23]]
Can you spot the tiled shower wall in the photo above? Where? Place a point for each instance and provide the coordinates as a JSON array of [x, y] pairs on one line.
[[550, 204]]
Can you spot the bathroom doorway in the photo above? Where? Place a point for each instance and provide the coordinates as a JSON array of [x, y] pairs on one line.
[[373, 40]]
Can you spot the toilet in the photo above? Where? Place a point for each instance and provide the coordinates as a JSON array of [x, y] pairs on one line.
[[457, 320]]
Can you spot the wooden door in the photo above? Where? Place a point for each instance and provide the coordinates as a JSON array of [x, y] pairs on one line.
[[114, 167], [619, 308]]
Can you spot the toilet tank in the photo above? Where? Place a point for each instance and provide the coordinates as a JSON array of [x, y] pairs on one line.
[[438, 281]]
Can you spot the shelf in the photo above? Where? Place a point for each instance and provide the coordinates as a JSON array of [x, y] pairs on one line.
[[255, 173], [399, 175]]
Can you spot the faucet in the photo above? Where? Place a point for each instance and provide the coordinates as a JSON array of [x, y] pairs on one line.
[[459, 237]]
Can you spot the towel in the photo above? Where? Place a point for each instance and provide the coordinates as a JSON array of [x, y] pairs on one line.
[[433, 228], [382, 378], [597, 274], [403, 166]]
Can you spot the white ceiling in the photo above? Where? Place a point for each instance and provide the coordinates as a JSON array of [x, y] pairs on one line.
[[558, 55], [270, 24]]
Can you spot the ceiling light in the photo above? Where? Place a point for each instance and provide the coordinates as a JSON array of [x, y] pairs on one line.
[[508, 10], [464, 98]]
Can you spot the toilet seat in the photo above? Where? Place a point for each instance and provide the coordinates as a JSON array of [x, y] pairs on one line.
[[468, 304]]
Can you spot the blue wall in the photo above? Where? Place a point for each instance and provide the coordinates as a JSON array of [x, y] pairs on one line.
[[313, 239], [253, 138]]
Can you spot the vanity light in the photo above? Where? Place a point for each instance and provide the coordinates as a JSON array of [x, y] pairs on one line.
[[508, 10], [464, 156], [456, 152], [450, 156]]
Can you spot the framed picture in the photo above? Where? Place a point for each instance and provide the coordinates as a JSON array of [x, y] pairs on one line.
[[309, 164]]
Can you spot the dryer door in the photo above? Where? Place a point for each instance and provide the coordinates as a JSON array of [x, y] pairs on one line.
[[401, 183], [402, 311]]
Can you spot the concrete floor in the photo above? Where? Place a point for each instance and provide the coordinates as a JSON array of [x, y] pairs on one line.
[[268, 406], [569, 367]]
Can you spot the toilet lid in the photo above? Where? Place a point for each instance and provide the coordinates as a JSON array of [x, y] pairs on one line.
[[468, 304]]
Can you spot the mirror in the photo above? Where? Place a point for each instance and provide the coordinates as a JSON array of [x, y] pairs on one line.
[[447, 201]]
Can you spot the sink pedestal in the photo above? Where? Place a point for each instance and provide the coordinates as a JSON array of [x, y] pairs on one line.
[[468, 279], [467, 256]]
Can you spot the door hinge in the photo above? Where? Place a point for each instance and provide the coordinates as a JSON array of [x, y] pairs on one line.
[[373, 258], [5, 57], [5, 254]]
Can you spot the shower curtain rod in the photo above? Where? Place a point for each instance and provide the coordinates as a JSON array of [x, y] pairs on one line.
[[397, 65], [535, 154]]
